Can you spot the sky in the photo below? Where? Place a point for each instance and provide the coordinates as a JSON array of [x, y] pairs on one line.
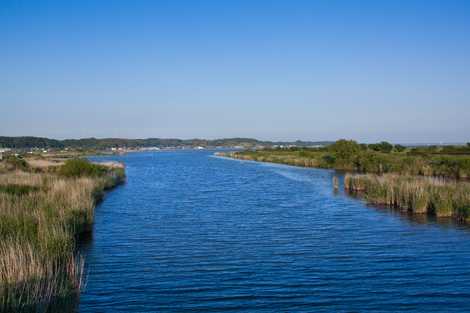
[[273, 70]]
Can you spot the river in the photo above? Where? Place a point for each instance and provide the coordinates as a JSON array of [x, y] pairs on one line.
[[190, 232]]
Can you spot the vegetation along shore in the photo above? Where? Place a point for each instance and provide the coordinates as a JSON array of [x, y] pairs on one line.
[[419, 195], [423, 180], [44, 206]]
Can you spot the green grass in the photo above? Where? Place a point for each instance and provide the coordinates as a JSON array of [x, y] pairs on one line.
[[449, 162], [41, 215], [18, 190]]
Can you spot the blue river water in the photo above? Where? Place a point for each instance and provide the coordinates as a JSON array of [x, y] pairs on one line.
[[190, 232]]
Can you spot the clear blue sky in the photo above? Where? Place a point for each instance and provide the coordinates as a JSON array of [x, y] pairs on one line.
[[368, 70]]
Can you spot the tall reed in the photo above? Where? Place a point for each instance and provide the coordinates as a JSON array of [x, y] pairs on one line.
[[38, 231], [436, 196]]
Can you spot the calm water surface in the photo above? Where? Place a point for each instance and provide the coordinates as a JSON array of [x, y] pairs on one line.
[[190, 232]]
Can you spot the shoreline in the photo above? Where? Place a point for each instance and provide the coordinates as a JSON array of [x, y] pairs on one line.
[[413, 194], [45, 211]]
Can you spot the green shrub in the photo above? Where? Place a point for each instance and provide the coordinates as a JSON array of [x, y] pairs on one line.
[[379, 159], [344, 150], [82, 168]]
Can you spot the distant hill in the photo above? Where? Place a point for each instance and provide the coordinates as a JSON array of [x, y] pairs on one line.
[[103, 143], [29, 142]]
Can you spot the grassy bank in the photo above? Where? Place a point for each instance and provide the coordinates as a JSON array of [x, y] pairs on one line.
[[420, 195], [42, 211], [382, 158], [424, 180]]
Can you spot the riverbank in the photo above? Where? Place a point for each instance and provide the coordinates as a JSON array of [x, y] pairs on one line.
[[449, 161], [44, 208], [418, 195], [424, 180]]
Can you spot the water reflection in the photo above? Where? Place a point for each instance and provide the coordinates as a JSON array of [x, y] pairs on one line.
[[422, 219]]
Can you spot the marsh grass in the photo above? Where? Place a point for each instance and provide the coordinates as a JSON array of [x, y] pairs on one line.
[[421, 195], [18, 190], [41, 215], [377, 159]]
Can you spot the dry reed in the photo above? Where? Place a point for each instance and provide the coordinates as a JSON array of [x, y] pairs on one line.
[[38, 230], [431, 195]]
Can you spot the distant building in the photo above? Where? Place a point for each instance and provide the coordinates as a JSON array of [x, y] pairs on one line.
[[3, 151]]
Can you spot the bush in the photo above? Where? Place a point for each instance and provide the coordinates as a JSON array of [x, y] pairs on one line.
[[345, 149], [82, 168]]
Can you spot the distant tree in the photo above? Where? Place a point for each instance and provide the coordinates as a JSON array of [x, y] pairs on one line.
[[373, 146], [400, 148], [468, 144], [384, 147], [29, 142], [344, 149]]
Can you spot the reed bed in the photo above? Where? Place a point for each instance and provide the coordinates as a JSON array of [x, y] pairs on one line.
[[421, 195], [425, 180], [41, 215], [350, 156]]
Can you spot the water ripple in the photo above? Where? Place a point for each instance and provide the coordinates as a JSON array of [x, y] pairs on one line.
[[194, 233]]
